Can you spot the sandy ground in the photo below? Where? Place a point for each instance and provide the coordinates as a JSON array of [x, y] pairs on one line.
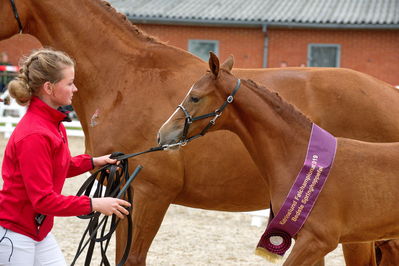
[[187, 236]]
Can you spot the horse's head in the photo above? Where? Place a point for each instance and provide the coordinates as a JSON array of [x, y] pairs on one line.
[[13, 17], [202, 105]]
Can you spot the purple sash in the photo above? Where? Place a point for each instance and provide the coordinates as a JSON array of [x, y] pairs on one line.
[[276, 240]]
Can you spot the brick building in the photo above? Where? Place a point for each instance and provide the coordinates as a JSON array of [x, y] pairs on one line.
[[358, 34]]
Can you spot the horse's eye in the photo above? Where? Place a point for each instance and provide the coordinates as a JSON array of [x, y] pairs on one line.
[[194, 99]]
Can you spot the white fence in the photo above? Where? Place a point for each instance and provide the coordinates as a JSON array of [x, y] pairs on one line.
[[11, 114], [8, 123]]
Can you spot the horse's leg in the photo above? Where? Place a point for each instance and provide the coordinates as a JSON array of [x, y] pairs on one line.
[[146, 221], [144, 230], [121, 235], [148, 213], [309, 251], [145, 227], [359, 254], [389, 252], [158, 186]]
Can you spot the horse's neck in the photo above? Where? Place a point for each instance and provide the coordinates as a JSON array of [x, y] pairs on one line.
[[113, 57], [82, 28], [275, 134], [102, 43]]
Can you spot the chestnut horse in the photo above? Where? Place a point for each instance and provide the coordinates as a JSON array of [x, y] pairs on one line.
[[128, 82], [364, 175]]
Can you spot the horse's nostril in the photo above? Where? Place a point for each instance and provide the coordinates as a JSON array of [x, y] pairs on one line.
[[158, 138]]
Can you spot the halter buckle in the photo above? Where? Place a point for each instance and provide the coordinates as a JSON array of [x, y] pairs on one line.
[[183, 143], [213, 121]]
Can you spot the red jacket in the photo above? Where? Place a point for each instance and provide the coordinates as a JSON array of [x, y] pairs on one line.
[[36, 162]]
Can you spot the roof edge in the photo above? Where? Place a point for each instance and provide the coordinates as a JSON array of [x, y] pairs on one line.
[[235, 23]]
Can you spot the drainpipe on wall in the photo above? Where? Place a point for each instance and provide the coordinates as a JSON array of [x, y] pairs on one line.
[[265, 45]]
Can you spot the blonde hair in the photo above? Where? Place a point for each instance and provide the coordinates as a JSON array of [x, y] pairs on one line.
[[37, 68]]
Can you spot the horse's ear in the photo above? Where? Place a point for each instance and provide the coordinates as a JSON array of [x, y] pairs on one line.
[[228, 64], [214, 64]]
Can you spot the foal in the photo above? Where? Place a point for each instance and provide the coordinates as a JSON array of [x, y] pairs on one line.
[[363, 176]]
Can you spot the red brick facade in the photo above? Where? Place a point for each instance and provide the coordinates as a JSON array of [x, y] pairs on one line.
[[375, 52], [246, 44]]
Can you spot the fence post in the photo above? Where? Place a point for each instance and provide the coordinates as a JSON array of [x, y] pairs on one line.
[[8, 129]]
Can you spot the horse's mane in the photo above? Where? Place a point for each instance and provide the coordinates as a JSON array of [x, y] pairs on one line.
[[278, 103], [129, 25]]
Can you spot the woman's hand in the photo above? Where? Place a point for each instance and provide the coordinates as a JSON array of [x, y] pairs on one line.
[[103, 160], [109, 206]]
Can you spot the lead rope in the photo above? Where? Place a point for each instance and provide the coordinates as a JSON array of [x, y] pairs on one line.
[[107, 182]]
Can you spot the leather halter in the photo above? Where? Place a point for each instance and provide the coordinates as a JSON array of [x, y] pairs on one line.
[[189, 119], [16, 15]]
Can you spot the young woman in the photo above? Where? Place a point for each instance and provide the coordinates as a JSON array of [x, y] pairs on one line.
[[36, 162]]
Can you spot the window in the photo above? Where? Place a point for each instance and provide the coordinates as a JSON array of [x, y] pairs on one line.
[[324, 55], [201, 48]]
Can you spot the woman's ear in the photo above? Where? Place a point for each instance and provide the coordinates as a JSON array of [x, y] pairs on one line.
[[48, 87]]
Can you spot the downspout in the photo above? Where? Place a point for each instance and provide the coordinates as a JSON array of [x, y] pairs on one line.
[[265, 45]]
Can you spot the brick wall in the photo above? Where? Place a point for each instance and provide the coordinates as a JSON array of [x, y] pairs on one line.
[[375, 52], [246, 44]]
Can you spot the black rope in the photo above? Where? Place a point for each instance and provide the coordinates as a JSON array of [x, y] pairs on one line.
[[108, 182], [12, 244]]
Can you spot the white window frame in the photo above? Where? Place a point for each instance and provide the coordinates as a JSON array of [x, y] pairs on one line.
[[192, 42], [337, 59]]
